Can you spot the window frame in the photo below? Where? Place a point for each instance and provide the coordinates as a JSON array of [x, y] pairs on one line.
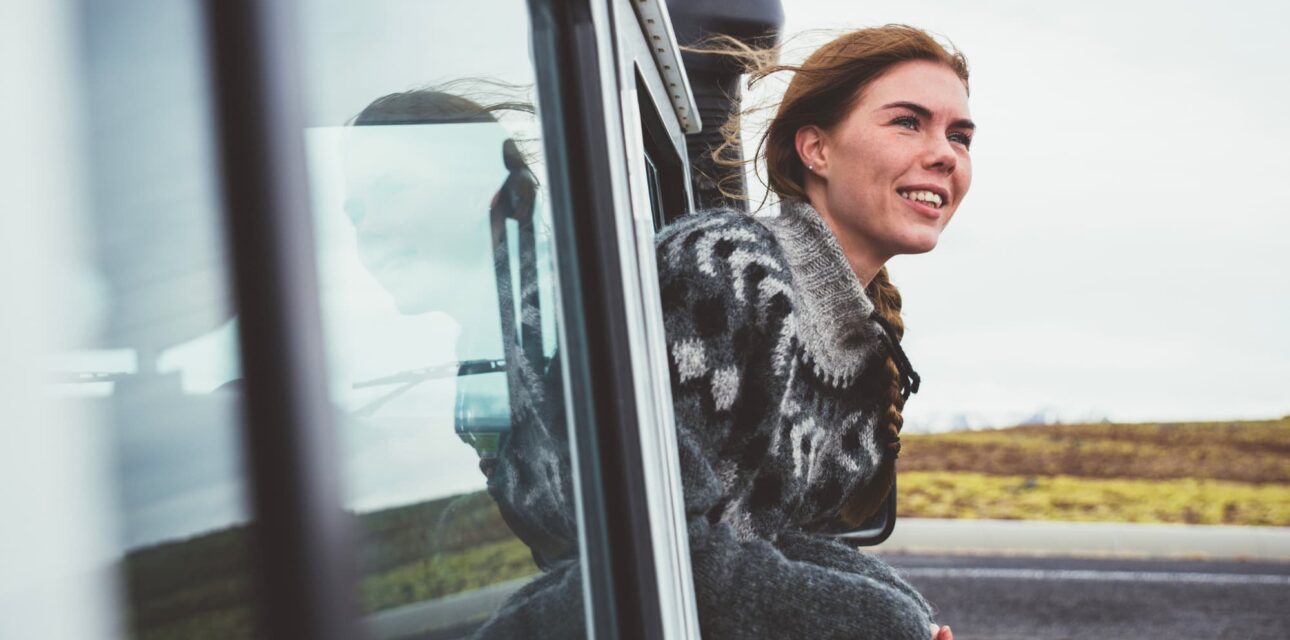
[[597, 222], [303, 544], [651, 125]]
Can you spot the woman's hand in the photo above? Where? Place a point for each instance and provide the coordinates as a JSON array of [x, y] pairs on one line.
[[941, 633]]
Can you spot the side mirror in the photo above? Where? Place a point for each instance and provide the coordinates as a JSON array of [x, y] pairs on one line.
[[877, 528]]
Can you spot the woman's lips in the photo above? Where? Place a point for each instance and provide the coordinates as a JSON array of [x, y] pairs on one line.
[[924, 209], [386, 257]]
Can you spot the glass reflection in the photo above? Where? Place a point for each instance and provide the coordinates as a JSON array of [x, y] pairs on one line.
[[159, 372], [444, 211]]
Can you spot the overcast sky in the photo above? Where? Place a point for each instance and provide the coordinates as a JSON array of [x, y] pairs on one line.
[[1123, 251]]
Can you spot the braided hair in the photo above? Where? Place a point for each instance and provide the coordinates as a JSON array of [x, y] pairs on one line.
[[888, 387]]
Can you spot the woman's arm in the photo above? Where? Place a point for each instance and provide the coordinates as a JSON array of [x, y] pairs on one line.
[[531, 481], [832, 554], [549, 607], [751, 589]]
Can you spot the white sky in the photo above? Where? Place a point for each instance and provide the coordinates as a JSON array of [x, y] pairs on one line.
[[1125, 249]]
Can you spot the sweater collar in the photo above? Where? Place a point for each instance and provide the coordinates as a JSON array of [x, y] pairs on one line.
[[834, 312]]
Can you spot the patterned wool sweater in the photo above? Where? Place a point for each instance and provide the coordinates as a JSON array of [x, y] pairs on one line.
[[778, 367], [778, 385]]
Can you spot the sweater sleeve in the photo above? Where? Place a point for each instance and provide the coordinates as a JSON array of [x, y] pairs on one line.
[[727, 309], [532, 481], [549, 607]]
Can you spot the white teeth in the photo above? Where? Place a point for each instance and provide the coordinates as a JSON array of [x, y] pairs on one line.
[[924, 196]]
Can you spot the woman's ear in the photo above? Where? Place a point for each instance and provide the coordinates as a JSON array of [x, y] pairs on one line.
[[810, 148]]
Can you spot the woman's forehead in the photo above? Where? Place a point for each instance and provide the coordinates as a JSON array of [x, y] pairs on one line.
[[928, 84]]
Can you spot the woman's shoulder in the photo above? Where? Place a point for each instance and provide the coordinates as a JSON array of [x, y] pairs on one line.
[[708, 222], [720, 270], [717, 240]]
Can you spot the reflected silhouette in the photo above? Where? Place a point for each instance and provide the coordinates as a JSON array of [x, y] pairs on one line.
[[444, 207]]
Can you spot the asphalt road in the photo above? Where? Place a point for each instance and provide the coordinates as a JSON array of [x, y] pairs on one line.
[[1003, 598]]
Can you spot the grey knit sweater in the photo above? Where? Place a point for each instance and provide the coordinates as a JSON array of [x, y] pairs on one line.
[[776, 362]]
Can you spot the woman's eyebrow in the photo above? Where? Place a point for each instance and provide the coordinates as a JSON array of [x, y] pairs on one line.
[[963, 123]]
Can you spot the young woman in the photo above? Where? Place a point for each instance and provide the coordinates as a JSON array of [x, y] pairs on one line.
[[787, 375], [788, 378]]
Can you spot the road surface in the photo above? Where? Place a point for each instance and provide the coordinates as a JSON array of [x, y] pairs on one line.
[[1004, 598], [1007, 580]]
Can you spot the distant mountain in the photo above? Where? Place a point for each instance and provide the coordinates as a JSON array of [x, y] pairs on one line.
[[1053, 415], [974, 420]]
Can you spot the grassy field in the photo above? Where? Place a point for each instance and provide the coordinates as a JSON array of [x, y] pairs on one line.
[[1199, 473], [435, 577], [932, 494], [199, 589]]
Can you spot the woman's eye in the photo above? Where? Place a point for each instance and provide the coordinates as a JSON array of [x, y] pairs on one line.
[[961, 138], [909, 122]]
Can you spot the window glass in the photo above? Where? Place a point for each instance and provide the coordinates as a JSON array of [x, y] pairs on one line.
[[664, 170], [428, 182], [158, 371], [655, 192]]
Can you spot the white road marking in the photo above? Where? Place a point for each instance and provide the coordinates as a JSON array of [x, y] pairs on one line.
[[1099, 576], [1211, 542]]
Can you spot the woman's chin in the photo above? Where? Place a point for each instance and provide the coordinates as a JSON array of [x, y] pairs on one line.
[[413, 306], [921, 243], [410, 299]]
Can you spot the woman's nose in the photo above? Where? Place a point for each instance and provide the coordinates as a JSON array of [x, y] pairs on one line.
[[375, 221], [941, 156], [354, 211]]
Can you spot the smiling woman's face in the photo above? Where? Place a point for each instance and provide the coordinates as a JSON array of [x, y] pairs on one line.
[[889, 177]]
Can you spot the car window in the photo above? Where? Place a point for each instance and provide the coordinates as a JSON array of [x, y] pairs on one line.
[[154, 378], [427, 175]]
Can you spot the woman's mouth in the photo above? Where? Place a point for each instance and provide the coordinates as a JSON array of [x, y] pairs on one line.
[[926, 202], [382, 257]]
